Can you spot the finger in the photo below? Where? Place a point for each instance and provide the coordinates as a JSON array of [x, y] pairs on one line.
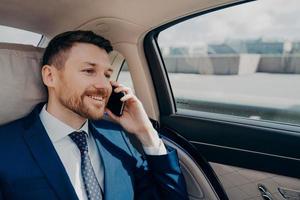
[[127, 97], [122, 89], [115, 83], [112, 116]]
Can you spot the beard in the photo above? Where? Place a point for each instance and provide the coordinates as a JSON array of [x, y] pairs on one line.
[[82, 105]]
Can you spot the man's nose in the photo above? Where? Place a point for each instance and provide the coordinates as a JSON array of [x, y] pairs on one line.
[[101, 82]]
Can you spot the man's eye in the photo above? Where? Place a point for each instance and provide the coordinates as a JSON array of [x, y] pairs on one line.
[[88, 71], [107, 75]]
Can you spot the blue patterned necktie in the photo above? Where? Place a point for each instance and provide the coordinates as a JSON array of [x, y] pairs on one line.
[[91, 185]]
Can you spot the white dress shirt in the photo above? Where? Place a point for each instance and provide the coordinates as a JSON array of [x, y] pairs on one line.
[[69, 153]]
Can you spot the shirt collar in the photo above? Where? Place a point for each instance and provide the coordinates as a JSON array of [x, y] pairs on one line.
[[57, 129]]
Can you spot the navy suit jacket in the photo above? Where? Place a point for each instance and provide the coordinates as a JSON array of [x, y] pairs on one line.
[[31, 169]]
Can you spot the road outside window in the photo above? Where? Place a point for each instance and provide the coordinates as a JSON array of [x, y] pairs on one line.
[[242, 61]]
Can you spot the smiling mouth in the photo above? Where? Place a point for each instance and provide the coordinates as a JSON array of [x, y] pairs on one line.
[[97, 98]]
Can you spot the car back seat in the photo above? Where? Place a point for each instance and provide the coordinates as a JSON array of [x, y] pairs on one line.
[[20, 80]]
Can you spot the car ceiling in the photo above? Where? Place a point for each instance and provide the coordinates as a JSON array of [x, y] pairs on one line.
[[118, 20]]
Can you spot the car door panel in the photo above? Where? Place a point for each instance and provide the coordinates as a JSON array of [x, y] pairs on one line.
[[241, 145], [241, 183]]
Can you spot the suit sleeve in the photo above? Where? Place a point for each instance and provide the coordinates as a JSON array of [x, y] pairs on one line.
[[158, 176]]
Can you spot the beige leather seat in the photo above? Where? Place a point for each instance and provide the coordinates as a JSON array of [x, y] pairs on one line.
[[20, 80]]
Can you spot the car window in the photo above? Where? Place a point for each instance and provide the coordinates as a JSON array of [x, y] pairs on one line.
[[241, 61], [18, 36], [125, 77]]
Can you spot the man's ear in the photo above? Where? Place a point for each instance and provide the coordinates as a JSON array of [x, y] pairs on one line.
[[48, 75]]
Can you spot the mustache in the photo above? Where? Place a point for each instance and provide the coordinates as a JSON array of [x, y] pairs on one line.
[[104, 92]]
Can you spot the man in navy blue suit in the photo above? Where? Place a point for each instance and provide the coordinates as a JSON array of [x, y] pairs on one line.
[[64, 149]]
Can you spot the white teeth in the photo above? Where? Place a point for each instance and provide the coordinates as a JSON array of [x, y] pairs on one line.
[[96, 98]]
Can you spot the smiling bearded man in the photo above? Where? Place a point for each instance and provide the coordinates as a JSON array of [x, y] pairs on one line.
[[64, 149]]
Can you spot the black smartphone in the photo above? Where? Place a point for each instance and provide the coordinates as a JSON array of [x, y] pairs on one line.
[[114, 104]]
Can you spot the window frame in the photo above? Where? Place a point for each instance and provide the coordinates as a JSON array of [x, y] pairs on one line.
[[162, 85]]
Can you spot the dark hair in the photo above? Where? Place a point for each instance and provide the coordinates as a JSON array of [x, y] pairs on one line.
[[58, 48]]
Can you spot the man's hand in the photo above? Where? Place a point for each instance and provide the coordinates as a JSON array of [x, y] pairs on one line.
[[134, 118]]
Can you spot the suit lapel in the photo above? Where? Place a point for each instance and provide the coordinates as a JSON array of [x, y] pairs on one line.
[[46, 157], [117, 182]]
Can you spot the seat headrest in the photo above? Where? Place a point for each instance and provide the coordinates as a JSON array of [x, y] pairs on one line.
[[20, 80]]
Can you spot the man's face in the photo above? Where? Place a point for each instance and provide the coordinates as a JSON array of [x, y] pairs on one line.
[[83, 83]]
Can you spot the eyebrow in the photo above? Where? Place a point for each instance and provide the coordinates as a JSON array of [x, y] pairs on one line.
[[95, 65]]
